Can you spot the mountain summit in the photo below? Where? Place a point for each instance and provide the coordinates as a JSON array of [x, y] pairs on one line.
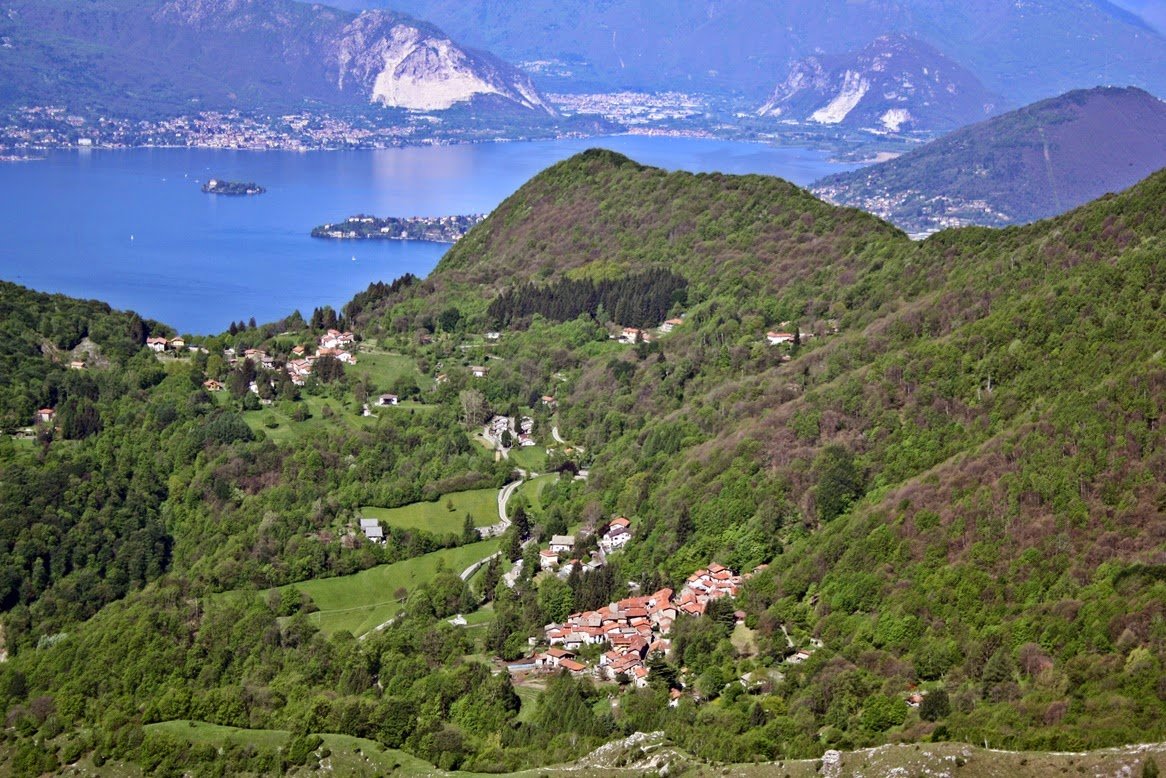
[[893, 84], [1024, 51], [150, 56]]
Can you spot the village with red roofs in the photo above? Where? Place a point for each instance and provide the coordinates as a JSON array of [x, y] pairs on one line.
[[633, 628]]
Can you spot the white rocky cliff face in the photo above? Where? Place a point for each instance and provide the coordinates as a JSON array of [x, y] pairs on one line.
[[894, 84], [401, 65]]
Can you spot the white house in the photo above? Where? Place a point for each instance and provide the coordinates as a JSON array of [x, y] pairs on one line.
[[777, 338], [548, 560], [388, 399], [156, 344], [372, 530], [615, 538], [336, 339], [478, 371], [563, 544]]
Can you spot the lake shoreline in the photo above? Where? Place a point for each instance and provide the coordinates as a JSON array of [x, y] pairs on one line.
[[144, 238]]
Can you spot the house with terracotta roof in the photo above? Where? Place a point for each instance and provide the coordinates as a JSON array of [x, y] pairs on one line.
[[46, 416], [617, 535], [573, 667], [156, 344], [778, 338], [336, 339], [631, 335]]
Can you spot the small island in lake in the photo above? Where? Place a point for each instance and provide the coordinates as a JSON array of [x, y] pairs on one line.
[[435, 229], [234, 188]]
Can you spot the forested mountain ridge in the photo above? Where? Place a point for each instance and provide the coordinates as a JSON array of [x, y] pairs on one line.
[[1032, 163], [954, 472]]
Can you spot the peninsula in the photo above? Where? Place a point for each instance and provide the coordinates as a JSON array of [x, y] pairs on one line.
[[436, 229], [233, 188]]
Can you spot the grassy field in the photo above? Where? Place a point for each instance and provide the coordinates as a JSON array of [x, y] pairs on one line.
[[533, 458], [351, 756], [219, 736], [744, 640], [359, 603], [532, 490], [529, 695], [436, 516], [384, 369], [289, 429]]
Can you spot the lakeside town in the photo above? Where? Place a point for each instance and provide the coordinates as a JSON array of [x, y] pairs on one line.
[[435, 229], [26, 131]]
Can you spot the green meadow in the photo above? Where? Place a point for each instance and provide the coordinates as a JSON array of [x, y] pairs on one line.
[[360, 602], [438, 516]]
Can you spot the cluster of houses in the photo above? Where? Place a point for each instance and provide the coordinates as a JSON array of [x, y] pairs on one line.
[[332, 343], [559, 555], [160, 344], [633, 628], [560, 552], [632, 335], [522, 430]]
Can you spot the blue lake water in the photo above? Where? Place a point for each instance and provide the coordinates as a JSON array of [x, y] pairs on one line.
[[133, 229]]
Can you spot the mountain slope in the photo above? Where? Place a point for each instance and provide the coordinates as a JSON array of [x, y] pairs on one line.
[[1029, 164], [954, 488], [963, 488], [1019, 50], [894, 84], [163, 55]]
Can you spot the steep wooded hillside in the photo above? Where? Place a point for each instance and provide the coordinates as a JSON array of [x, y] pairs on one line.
[[947, 478], [989, 412]]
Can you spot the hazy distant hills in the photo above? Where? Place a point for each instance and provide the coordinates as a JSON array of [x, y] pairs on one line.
[[134, 56], [1023, 51], [1029, 164], [894, 84]]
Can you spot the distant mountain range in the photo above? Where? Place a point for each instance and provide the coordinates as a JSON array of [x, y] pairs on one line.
[[896, 83], [1023, 51], [1029, 164], [135, 56]]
